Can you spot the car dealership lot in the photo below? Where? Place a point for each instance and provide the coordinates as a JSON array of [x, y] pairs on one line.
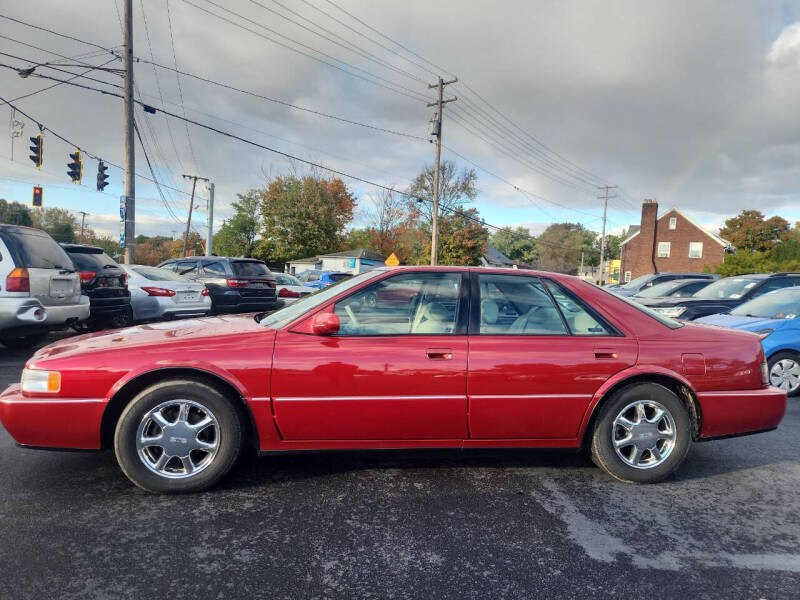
[[406, 525]]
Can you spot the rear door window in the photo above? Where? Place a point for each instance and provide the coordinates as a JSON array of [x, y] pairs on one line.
[[249, 268], [214, 269], [35, 249], [186, 267], [517, 305]]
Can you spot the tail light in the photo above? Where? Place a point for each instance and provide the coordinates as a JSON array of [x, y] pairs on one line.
[[237, 283], [157, 291], [18, 281], [205, 292], [287, 293], [125, 280], [86, 276]]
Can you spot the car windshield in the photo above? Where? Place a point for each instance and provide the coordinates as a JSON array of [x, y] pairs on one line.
[[286, 315], [249, 268], [635, 284], [35, 249], [158, 274], [730, 287], [660, 289], [783, 304]]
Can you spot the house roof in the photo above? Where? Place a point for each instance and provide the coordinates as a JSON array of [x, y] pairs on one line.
[[636, 229], [355, 253], [493, 256], [311, 260]]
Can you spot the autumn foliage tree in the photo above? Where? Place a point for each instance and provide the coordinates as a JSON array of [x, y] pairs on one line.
[[303, 216], [751, 232]]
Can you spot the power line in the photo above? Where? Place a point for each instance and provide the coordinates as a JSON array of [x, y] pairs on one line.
[[178, 79], [392, 86], [158, 87], [51, 32]]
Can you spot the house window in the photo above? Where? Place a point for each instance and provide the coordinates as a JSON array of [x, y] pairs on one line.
[[673, 223], [627, 276], [663, 249], [695, 249]]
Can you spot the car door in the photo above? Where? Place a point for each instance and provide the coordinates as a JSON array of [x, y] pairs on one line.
[[394, 371], [537, 355]]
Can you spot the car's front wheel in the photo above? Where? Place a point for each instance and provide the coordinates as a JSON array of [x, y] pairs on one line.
[[178, 436], [784, 372], [642, 434]]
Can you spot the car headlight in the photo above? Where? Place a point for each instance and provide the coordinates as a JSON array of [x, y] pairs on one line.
[[38, 381], [762, 333], [671, 311]]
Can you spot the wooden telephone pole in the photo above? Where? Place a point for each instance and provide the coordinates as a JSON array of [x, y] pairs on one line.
[[437, 131]]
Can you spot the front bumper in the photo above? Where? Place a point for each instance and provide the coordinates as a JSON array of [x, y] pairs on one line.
[[72, 423], [739, 412]]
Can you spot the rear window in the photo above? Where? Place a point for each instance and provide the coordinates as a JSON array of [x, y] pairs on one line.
[[35, 249], [249, 268], [158, 274], [340, 276], [92, 260]]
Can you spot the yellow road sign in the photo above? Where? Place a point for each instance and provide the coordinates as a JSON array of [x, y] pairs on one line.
[[392, 261]]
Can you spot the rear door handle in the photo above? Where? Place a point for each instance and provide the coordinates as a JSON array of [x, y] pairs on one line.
[[605, 354], [440, 353]]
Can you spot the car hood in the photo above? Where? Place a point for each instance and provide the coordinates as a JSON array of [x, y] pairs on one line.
[[659, 302], [743, 322], [188, 331]]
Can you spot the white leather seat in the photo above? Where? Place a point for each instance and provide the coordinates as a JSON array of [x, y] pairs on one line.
[[435, 320]]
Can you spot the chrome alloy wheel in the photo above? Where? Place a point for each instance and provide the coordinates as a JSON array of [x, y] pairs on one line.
[[643, 434], [178, 439], [785, 374]]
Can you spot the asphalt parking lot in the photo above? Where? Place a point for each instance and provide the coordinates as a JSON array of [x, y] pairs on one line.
[[522, 524]]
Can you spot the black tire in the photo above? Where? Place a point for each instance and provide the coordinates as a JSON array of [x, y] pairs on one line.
[[229, 432], [780, 356], [24, 342], [606, 457], [89, 326]]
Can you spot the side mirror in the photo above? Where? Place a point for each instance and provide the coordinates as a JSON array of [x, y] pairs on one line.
[[325, 324]]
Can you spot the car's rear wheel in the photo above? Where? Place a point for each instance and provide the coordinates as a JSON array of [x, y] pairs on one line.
[[178, 436], [784, 372], [642, 434]]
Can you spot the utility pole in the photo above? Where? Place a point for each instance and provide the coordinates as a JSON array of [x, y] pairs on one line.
[[437, 131], [194, 179], [605, 198], [210, 232], [83, 221], [130, 149]]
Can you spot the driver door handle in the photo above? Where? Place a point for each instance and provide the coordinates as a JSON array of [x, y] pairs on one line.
[[439, 353]]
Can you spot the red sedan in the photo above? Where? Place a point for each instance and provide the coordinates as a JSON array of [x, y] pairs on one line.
[[475, 358]]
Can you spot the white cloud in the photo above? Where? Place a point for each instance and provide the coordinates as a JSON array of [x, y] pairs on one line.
[[785, 49]]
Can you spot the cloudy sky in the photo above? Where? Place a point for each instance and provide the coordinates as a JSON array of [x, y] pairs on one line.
[[692, 103]]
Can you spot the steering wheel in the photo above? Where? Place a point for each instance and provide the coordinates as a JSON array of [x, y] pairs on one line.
[[351, 314]]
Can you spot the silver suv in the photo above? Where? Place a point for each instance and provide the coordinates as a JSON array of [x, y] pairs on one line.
[[39, 287]]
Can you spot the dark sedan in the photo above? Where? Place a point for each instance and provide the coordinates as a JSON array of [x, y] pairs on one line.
[[725, 294]]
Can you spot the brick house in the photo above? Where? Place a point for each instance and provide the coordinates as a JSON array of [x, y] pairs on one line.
[[669, 243]]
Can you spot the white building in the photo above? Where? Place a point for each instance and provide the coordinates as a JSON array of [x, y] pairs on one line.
[[350, 261]]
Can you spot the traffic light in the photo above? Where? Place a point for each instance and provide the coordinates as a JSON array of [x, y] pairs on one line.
[[102, 178], [75, 167], [37, 196], [37, 150]]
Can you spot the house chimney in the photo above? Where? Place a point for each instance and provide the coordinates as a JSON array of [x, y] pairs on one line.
[[649, 229]]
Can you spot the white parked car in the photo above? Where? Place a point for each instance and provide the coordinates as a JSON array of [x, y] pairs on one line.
[[290, 288], [158, 293]]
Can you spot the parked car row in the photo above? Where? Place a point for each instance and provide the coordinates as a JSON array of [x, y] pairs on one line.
[[45, 286], [767, 304]]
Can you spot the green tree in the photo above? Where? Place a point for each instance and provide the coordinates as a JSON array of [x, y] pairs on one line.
[[517, 244], [303, 216], [15, 213], [750, 231], [455, 189], [561, 245], [613, 245], [238, 235], [58, 222], [462, 239]]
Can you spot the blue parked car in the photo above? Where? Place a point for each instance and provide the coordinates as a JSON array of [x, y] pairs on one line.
[[322, 279], [776, 318]]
